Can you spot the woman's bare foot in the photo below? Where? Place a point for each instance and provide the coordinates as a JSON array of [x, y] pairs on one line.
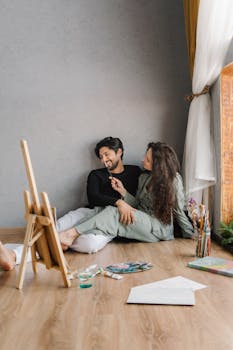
[[67, 238], [7, 258]]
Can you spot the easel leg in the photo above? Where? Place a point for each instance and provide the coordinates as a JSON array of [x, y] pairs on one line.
[[53, 238], [33, 254], [28, 236], [28, 210]]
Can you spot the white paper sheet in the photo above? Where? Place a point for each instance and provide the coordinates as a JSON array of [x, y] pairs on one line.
[[174, 291], [174, 282], [160, 295]]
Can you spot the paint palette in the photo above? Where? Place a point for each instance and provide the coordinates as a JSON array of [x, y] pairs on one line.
[[129, 267]]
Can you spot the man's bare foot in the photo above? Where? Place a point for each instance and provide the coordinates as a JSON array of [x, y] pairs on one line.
[[67, 238], [7, 258]]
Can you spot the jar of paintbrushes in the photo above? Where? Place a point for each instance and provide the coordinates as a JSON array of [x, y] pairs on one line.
[[202, 231]]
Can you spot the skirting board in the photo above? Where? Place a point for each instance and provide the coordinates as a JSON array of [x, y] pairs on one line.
[[12, 230]]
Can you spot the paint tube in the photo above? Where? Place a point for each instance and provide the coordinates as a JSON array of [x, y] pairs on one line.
[[111, 275]]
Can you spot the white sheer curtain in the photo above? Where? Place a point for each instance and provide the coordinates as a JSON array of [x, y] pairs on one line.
[[214, 33]]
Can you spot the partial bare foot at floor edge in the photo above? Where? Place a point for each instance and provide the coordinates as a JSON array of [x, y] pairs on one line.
[[67, 238], [7, 258]]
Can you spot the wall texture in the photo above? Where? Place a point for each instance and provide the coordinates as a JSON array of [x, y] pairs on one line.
[[73, 72]]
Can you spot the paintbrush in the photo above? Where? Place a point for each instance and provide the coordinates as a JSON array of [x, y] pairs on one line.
[[109, 172]]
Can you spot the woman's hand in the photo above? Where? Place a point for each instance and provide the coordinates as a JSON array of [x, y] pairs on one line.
[[118, 186], [126, 212]]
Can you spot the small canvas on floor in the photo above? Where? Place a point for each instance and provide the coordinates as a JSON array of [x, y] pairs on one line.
[[215, 265]]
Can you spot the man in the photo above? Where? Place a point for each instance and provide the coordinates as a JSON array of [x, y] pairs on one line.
[[99, 189], [100, 194]]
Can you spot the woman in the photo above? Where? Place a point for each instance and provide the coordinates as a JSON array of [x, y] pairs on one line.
[[159, 199]]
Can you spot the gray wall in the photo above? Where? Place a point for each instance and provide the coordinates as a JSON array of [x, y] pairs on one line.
[[73, 72]]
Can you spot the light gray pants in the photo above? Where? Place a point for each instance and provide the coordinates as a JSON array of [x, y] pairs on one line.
[[90, 243], [106, 222]]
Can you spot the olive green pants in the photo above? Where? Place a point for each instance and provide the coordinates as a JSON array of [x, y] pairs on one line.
[[105, 221]]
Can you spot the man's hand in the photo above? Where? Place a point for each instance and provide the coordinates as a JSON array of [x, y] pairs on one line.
[[125, 211], [117, 185]]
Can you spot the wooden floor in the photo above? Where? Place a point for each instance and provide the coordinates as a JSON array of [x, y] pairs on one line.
[[45, 315]]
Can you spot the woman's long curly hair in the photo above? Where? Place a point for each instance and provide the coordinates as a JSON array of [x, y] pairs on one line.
[[164, 169]]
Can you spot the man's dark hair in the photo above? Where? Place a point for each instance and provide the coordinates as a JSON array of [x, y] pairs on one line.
[[113, 143]]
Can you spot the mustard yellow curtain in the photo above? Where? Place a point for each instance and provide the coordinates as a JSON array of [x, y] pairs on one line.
[[190, 14]]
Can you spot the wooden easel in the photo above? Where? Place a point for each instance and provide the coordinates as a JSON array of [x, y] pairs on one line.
[[41, 234]]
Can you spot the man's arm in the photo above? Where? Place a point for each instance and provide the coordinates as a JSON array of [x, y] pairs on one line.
[[125, 211], [102, 192], [95, 193]]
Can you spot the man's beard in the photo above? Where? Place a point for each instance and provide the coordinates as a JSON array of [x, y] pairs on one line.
[[114, 165]]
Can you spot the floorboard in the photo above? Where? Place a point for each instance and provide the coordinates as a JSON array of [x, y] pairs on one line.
[[45, 315]]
